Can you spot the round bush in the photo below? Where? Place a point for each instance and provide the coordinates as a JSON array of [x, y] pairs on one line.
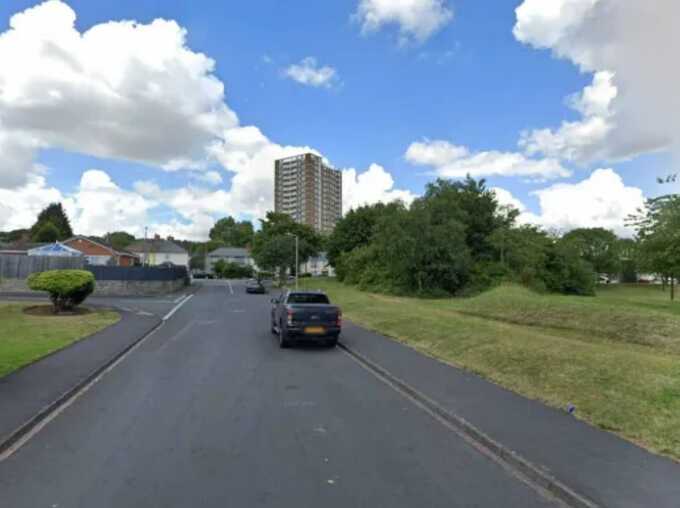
[[67, 288]]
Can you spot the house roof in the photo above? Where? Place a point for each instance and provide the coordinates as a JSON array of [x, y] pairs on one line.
[[230, 252], [114, 251], [156, 246]]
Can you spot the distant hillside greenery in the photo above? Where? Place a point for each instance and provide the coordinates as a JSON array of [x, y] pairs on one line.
[[456, 239]]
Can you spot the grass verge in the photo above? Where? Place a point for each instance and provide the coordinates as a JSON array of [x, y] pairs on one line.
[[615, 356], [26, 338]]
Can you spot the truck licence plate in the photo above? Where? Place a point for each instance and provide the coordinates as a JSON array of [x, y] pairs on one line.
[[316, 330]]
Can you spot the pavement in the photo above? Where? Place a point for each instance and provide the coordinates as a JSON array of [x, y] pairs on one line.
[[599, 465], [208, 411], [31, 390]]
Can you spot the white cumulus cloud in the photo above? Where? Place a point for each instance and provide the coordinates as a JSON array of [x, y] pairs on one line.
[[417, 19], [127, 91], [453, 161], [375, 185], [309, 72], [121, 90], [630, 46], [601, 200]]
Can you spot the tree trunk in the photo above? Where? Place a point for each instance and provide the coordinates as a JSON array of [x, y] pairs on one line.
[[672, 287]]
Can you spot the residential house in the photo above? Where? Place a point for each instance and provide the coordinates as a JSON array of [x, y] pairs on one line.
[[317, 266], [157, 251], [100, 253], [238, 255]]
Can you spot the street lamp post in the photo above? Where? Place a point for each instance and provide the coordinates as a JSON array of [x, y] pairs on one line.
[[297, 258], [297, 262]]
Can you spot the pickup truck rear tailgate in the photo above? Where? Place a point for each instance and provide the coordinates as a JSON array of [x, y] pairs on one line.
[[314, 314]]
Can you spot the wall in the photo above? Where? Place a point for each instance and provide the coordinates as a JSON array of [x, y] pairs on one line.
[[108, 287]]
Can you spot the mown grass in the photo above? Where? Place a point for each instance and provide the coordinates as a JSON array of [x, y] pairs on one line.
[[615, 356], [25, 338]]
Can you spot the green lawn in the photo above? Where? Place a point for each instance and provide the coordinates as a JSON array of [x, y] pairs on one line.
[[25, 338], [615, 356]]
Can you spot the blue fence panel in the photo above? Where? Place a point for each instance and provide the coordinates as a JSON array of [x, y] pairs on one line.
[[138, 273]]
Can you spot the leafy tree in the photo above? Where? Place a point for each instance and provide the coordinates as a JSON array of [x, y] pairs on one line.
[[120, 239], [197, 262], [232, 233], [355, 229], [523, 253], [14, 235], [46, 232], [474, 206], [567, 272], [598, 246], [274, 245], [219, 267], [235, 271], [55, 214], [658, 229], [414, 250]]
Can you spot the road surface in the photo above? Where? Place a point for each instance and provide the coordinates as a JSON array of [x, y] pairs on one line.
[[209, 412]]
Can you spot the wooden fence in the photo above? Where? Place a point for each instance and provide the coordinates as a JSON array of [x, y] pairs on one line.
[[20, 267]]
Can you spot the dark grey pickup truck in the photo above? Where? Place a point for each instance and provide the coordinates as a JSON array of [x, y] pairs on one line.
[[305, 316]]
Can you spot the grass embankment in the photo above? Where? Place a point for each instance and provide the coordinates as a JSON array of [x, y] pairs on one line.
[[615, 356], [26, 338]]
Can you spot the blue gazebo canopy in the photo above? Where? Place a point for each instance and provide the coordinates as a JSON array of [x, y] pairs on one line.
[[55, 249]]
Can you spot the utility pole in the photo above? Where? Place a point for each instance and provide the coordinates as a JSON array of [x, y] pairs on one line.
[[146, 246], [297, 263]]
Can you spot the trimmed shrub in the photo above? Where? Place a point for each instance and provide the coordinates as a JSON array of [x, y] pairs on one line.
[[67, 288]]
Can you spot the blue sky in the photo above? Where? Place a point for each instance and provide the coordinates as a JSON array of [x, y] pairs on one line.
[[470, 82]]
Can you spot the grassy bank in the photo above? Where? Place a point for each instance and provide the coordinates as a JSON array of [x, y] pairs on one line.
[[25, 338], [615, 356]]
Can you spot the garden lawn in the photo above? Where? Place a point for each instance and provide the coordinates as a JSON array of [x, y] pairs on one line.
[[25, 338], [615, 356]]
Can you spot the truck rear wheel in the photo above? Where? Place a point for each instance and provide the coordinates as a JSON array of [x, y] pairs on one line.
[[284, 341]]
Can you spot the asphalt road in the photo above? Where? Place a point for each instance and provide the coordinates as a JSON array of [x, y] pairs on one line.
[[208, 411]]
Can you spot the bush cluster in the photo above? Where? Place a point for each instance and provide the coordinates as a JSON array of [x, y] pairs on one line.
[[67, 288], [454, 240], [229, 270]]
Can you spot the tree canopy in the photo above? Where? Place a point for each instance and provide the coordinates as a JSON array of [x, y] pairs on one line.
[[120, 239], [598, 246], [455, 239], [658, 229], [232, 233], [54, 214], [274, 244]]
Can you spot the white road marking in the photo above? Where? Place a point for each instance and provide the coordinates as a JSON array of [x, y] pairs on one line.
[[231, 289], [177, 307], [179, 298]]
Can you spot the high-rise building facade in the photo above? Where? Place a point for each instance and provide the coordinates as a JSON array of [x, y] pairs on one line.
[[309, 191]]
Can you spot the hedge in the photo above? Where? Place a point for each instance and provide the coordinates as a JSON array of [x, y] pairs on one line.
[[67, 288]]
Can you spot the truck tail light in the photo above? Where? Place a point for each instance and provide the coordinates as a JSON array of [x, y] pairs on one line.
[[290, 317], [339, 321]]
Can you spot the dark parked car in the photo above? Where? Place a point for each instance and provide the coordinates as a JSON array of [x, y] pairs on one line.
[[305, 316], [255, 287]]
